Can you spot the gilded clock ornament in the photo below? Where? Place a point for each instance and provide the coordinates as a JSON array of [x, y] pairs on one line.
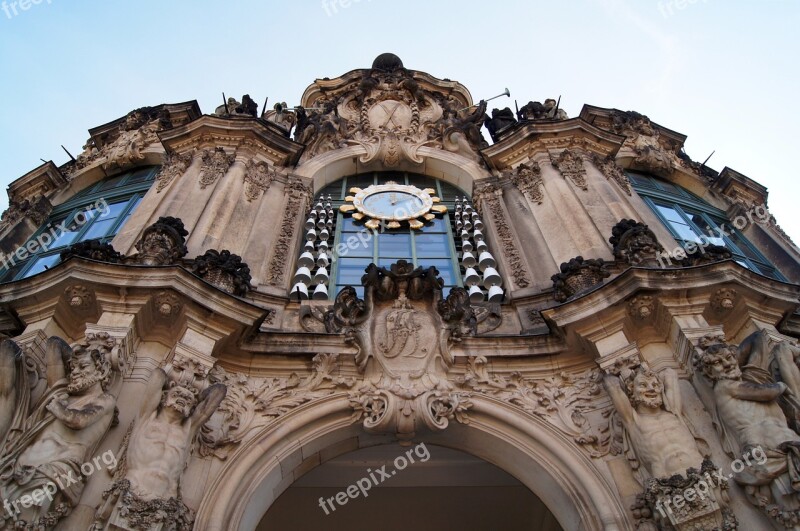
[[393, 203]]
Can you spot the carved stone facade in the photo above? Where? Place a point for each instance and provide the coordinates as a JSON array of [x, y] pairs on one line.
[[184, 393]]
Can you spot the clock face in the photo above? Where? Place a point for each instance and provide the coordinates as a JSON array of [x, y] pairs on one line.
[[394, 203]]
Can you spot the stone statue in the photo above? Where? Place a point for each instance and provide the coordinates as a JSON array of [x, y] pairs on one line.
[[155, 454], [229, 108], [552, 112], [750, 417], [499, 122], [48, 441], [650, 408], [535, 110]]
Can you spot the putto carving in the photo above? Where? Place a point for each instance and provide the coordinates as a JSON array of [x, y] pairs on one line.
[[174, 165], [528, 179], [257, 178], [163, 242], [224, 270], [154, 455], [748, 415], [80, 298], [486, 198], [49, 434], [254, 403], [608, 166], [570, 165], [724, 299], [635, 243], [215, 164], [94, 250], [577, 276], [534, 110], [641, 307]]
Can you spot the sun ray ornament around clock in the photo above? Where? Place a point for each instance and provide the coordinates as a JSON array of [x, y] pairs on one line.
[[393, 203]]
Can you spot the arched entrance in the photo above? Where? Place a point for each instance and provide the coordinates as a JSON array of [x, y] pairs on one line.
[[548, 463], [395, 488]]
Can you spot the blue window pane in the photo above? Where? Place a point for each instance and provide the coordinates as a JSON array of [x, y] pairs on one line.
[[394, 245], [351, 225], [350, 271], [352, 245], [64, 237], [436, 225], [445, 268], [42, 263], [432, 245], [670, 214], [98, 229]]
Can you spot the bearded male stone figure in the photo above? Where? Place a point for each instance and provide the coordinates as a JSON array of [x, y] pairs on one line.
[[158, 446], [47, 442], [652, 417], [751, 418]]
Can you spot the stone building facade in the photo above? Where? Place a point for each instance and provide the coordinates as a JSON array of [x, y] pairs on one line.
[[203, 311]]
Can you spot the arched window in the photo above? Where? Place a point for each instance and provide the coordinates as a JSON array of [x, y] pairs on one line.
[[692, 220], [97, 212], [431, 245]]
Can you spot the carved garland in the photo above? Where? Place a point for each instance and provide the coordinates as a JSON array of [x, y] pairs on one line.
[[253, 403], [174, 166], [528, 179], [570, 164], [608, 166], [257, 178], [489, 194], [215, 165], [297, 194]]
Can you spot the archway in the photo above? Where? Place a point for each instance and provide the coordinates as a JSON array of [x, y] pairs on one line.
[[395, 488], [548, 463]]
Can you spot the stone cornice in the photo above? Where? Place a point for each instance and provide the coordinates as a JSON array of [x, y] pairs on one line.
[[681, 283], [43, 292], [603, 118], [530, 138], [179, 113], [39, 181], [739, 187], [209, 131]]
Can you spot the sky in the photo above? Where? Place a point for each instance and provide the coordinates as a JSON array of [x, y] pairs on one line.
[[724, 73]]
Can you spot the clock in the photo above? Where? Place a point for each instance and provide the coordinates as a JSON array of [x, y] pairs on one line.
[[393, 203]]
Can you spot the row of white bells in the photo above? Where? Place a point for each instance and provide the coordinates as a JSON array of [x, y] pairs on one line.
[[307, 259], [303, 275], [480, 247], [312, 235], [300, 292], [485, 259]]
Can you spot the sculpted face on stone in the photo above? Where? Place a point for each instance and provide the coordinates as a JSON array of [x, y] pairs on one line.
[[86, 369], [719, 363], [647, 390], [181, 400]]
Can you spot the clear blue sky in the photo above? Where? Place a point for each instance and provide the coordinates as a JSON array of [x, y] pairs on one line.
[[725, 73]]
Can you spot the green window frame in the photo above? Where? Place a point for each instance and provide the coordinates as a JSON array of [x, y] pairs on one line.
[[84, 217], [691, 220], [433, 245]]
